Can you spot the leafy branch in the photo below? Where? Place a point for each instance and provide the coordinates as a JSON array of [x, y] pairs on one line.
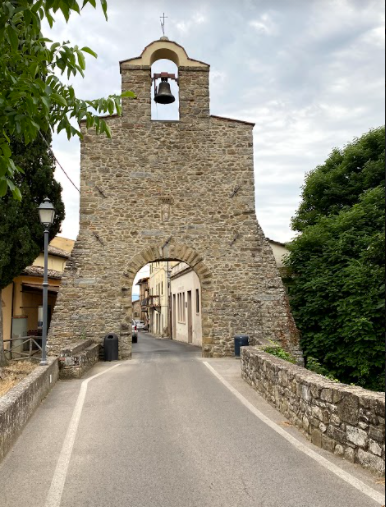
[[33, 97]]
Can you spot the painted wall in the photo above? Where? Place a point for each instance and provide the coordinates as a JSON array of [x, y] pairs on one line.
[[279, 251], [25, 303], [54, 263], [158, 284], [63, 244], [183, 281]]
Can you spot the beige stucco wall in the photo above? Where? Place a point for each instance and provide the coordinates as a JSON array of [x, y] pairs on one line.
[[63, 243], [163, 50], [183, 284], [158, 287], [54, 263], [279, 252], [159, 278]]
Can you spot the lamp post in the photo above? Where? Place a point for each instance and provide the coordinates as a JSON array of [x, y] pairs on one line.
[[47, 217]]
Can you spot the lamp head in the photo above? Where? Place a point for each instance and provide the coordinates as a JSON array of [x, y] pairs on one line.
[[46, 213]]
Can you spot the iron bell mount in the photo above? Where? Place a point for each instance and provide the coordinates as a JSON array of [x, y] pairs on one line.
[[163, 93]]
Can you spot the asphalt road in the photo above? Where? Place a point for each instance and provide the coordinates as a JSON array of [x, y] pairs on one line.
[[160, 431]]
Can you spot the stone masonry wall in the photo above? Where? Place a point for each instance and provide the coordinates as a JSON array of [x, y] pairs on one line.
[[20, 403], [346, 420], [171, 190]]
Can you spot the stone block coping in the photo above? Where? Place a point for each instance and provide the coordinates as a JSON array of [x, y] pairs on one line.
[[18, 405], [346, 420], [74, 362]]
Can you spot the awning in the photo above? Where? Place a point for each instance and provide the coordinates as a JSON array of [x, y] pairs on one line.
[[37, 287]]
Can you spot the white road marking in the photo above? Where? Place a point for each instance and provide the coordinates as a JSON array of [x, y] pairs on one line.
[[55, 492], [345, 476]]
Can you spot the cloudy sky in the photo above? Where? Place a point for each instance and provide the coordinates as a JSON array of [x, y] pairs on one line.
[[309, 73]]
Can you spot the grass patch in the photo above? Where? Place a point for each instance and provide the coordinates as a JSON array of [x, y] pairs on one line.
[[281, 354], [14, 373]]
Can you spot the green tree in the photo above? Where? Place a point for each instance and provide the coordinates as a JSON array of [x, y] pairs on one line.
[[33, 98], [21, 234], [340, 181], [337, 287]]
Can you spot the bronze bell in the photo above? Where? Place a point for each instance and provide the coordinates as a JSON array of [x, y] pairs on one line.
[[163, 94]]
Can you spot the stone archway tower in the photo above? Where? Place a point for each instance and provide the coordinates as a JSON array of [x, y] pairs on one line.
[[179, 190]]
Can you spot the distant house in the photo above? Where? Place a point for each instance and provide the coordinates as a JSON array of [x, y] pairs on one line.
[[22, 300], [186, 305], [159, 298], [186, 313], [143, 285], [280, 251], [137, 310]]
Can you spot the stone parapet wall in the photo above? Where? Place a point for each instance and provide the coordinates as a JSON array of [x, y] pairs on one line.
[[74, 362], [346, 420], [18, 405]]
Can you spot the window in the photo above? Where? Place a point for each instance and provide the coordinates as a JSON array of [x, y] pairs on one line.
[[197, 300], [162, 289], [181, 307]]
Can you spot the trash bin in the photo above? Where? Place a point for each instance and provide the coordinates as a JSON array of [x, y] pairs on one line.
[[111, 347], [241, 340]]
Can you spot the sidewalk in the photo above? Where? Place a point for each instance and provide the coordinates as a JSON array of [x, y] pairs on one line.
[[230, 370]]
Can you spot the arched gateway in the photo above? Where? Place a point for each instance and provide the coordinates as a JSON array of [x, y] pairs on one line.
[[161, 190]]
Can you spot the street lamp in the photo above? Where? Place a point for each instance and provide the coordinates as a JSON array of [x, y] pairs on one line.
[[47, 217]]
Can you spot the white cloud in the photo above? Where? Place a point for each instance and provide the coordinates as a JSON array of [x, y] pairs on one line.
[[185, 26], [309, 74], [264, 25]]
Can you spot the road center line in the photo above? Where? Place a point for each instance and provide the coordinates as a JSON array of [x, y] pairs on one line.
[[55, 492], [345, 476]]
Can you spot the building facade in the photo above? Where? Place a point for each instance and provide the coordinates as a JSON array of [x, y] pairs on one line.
[[159, 305], [22, 300], [280, 252], [186, 316], [186, 312], [143, 285], [201, 155], [137, 309]]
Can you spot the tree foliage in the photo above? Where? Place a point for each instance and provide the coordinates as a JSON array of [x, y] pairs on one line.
[[337, 287], [33, 98], [21, 233], [340, 181]]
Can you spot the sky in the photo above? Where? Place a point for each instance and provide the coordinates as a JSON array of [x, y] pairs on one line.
[[309, 73]]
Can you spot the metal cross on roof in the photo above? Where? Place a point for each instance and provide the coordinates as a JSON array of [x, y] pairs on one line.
[[163, 18]]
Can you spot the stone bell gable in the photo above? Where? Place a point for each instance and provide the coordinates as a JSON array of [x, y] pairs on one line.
[[171, 190]]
